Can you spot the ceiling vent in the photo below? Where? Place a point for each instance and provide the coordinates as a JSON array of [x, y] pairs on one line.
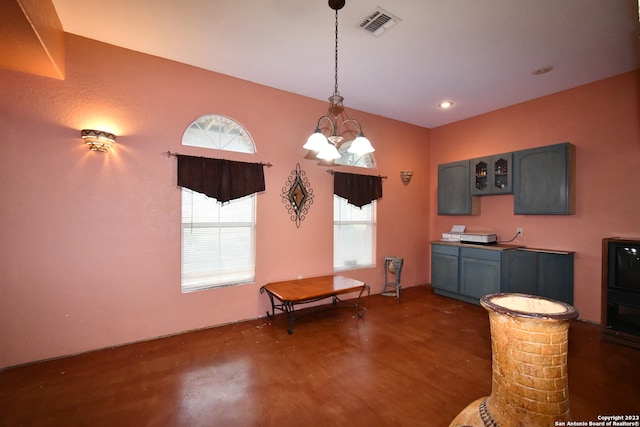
[[378, 21]]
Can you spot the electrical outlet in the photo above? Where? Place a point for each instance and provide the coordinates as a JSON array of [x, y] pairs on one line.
[[519, 231]]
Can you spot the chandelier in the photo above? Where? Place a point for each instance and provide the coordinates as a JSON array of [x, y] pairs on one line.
[[336, 123]]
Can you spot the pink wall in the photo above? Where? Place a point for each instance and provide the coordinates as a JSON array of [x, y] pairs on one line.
[[90, 252], [602, 120]]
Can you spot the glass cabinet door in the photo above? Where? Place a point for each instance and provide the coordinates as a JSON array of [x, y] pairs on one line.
[[491, 175], [481, 176], [502, 173]]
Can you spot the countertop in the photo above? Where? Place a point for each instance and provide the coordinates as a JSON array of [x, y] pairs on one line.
[[495, 246], [498, 247]]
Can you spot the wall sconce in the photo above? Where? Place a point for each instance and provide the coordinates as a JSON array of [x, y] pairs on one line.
[[98, 140], [406, 176]]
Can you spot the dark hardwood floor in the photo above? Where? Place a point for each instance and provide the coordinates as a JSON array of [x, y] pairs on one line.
[[417, 361]]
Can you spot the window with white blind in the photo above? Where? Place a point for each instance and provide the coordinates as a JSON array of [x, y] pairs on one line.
[[353, 235], [218, 241]]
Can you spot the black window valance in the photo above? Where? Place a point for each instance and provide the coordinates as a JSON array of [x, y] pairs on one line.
[[221, 179], [359, 190]]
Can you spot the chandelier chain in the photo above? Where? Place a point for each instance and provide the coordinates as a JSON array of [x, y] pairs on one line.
[[336, 58], [336, 120]]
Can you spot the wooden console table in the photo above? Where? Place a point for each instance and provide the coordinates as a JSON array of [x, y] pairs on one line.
[[301, 291]]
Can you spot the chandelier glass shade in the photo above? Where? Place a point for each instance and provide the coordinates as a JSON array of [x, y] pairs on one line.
[[334, 127]]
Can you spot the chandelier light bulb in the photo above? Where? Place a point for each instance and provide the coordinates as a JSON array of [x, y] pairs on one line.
[[316, 141], [329, 152], [361, 145]]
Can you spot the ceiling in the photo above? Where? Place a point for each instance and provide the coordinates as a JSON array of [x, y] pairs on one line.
[[480, 54]]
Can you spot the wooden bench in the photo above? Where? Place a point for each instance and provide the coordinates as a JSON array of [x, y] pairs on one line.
[[302, 291]]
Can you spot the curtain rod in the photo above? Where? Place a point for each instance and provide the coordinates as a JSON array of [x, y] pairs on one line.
[[170, 154], [330, 171]]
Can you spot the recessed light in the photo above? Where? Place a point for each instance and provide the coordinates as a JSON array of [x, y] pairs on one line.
[[542, 70], [445, 104]]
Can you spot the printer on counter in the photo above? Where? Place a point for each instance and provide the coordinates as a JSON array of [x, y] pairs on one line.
[[457, 234], [453, 235], [478, 238]]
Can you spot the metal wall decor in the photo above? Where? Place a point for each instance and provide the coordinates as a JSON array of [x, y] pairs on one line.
[[297, 195]]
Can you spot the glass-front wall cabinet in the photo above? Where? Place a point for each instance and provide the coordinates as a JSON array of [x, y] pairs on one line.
[[491, 175]]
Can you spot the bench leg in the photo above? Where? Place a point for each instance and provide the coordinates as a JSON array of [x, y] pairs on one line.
[[359, 309], [288, 307], [273, 305]]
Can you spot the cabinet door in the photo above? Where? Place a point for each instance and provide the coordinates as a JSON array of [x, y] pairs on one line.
[[480, 180], [537, 272], [501, 173], [479, 277], [555, 276], [480, 272], [491, 175], [454, 194], [520, 270], [444, 268], [543, 180]]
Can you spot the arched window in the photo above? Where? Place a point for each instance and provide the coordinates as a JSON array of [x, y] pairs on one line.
[[350, 159], [218, 240], [220, 133]]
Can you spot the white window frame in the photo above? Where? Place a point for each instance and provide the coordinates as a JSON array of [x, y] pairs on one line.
[[354, 232]]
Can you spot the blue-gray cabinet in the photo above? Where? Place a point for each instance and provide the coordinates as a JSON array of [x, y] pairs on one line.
[[480, 272], [468, 272], [465, 272], [543, 180], [454, 192], [491, 175], [444, 268], [539, 272]]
